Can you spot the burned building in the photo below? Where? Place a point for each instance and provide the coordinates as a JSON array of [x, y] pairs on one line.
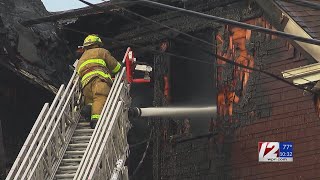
[[188, 54], [34, 62]]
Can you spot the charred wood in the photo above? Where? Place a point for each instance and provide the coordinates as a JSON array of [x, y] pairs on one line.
[[36, 53]]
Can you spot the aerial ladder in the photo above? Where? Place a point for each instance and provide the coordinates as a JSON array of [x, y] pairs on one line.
[[59, 146]]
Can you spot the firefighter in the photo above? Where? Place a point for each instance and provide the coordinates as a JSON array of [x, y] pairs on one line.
[[94, 68]]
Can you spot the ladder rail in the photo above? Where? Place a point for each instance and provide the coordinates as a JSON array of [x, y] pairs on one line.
[[58, 140], [73, 119], [120, 169], [106, 109], [107, 139], [42, 137], [99, 138], [29, 144], [35, 144], [48, 128], [84, 166], [117, 137], [47, 143]]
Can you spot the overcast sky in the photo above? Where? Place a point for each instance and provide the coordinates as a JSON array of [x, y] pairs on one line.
[[61, 5]]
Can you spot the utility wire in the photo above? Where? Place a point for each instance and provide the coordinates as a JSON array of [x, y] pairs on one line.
[[162, 25], [233, 23], [257, 28], [217, 56], [138, 144], [264, 72], [197, 60], [145, 18], [176, 30], [211, 17], [206, 42], [142, 47]]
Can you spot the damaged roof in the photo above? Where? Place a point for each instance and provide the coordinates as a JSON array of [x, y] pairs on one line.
[[135, 30], [50, 63], [307, 18]]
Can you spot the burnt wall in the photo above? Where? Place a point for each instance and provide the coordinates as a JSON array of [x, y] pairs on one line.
[[253, 107], [181, 82], [174, 156], [266, 109], [282, 113]]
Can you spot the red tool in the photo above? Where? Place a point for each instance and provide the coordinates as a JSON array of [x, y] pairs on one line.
[[132, 65]]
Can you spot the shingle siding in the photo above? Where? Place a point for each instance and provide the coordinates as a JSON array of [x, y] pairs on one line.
[[306, 17]]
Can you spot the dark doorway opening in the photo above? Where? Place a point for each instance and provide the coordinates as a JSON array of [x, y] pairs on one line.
[[193, 82]]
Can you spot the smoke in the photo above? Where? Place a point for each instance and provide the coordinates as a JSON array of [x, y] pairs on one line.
[[193, 84]]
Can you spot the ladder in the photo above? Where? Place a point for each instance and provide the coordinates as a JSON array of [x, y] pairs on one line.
[[75, 151], [61, 147]]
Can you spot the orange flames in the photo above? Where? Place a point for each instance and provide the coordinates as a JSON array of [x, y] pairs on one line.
[[237, 51]]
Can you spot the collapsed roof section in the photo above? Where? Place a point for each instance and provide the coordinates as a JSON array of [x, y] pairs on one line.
[[35, 53]]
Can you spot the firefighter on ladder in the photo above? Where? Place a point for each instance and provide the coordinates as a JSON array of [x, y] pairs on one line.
[[94, 68]]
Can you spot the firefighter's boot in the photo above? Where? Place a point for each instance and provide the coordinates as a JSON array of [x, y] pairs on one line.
[[93, 123], [86, 113]]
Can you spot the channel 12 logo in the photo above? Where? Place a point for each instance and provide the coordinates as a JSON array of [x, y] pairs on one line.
[[275, 151]]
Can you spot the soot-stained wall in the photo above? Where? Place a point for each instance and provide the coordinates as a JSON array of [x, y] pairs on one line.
[[266, 109], [198, 158], [191, 84], [276, 112]]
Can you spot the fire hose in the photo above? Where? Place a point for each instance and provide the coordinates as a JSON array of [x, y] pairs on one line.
[[206, 111]]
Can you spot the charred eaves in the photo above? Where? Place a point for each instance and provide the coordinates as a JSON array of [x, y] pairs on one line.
[[130, 30], [36, 53]]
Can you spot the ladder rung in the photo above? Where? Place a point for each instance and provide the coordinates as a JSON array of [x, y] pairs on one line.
[[62, 176], [63, 168], [84, 139], [71, 160], [78, 145], [84, 124], [74, 152], [84, 130], [76, 148]]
